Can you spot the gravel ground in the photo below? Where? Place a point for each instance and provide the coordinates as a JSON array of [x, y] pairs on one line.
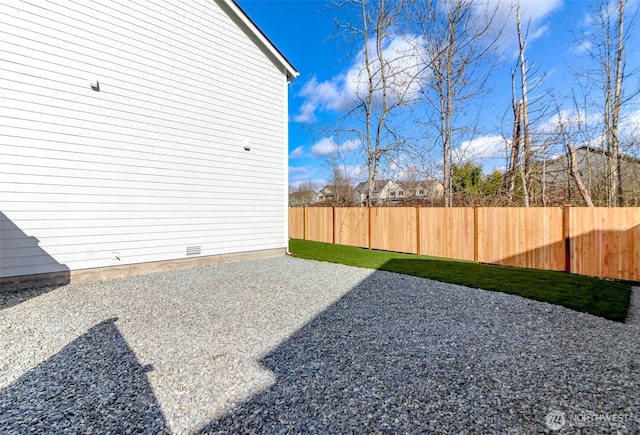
[[286, 345], [633, 316]]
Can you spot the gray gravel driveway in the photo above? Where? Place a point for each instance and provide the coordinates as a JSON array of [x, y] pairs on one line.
[[286, 345]]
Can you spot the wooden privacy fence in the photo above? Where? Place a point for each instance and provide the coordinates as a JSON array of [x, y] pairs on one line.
[[603, 242]]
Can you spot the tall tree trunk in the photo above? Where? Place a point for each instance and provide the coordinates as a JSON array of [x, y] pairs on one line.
[[525, 167], [447, 115], [514, 157], [613, 46], [616, 175], [575, 174], [370, 151]]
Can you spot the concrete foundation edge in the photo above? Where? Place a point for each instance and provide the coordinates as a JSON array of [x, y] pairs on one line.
[[113, 272]]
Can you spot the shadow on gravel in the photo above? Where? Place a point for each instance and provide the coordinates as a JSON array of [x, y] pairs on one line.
[[94, 385], [392, 357], [373, 361], [9, 298]]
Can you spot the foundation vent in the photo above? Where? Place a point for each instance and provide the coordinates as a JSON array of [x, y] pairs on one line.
[[194, 250]]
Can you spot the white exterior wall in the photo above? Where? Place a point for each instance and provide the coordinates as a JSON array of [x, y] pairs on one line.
[[152, 163]]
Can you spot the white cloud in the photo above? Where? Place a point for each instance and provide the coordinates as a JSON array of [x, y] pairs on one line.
[[297, 153], [533, 14], [587, 126], [327, 95], [539, 32], [404, 57], [404, 54], [571, 119], [536, 10], [395, 169], [298, 170], [479, 149], [634, 119], [582, 47], [300, 174], [630, 129], [307, 113], [351, 145], [327, 146], [568, 120], [324, 147], [354, 172]]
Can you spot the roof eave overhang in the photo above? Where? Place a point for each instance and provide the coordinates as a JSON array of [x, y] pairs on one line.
[[288, 68]]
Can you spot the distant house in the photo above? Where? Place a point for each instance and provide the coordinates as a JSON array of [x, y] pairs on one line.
[[138, 135], [335, 195], [326, 194], [593, 169], [427, 190], [383, 192], [390, 192], [302, 198]]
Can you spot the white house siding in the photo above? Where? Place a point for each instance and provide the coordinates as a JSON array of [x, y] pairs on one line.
[[154, 162]]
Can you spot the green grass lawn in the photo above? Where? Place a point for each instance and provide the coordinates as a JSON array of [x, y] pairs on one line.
[[608, 299]]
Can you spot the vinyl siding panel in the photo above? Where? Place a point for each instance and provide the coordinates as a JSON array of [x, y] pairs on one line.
[[152, 163]]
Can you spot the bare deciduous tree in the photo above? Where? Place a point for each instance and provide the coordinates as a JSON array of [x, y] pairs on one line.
[[458, 47], [607, 48], [384, 85], [306, 186], [527, 145], [525, 168]]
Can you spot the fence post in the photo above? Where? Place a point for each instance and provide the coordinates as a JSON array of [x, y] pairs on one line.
[[475, 233], [566, 232], [369, 227], [418, 229], [304, 223], [333, 223]]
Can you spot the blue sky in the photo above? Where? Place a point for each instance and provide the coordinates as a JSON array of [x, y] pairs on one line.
[[305, 32]]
